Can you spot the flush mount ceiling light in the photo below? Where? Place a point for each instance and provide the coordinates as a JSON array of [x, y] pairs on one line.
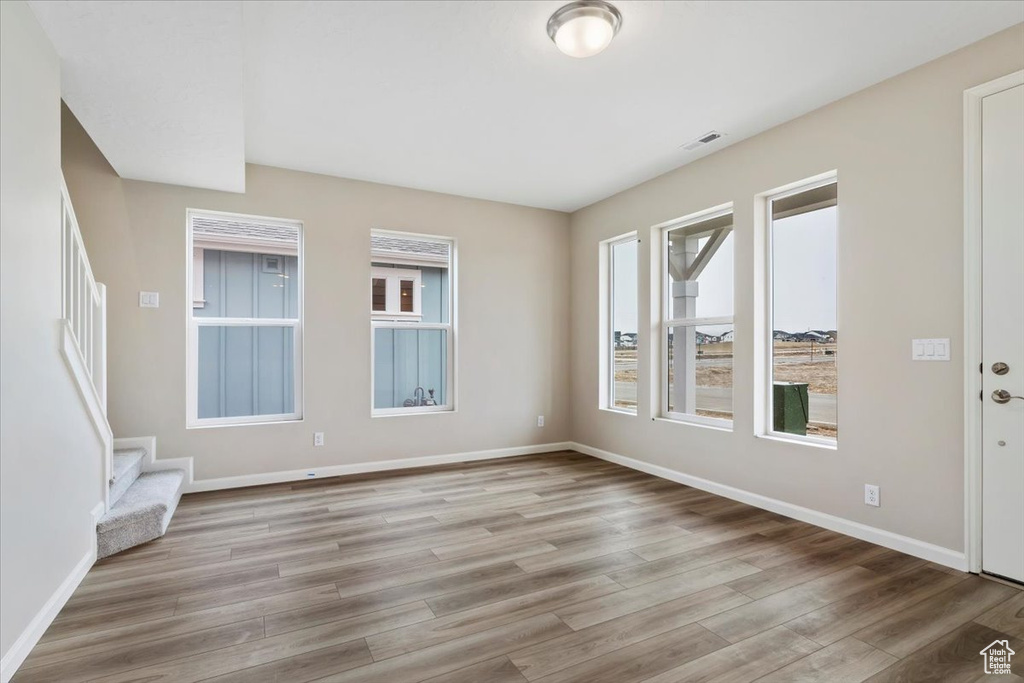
[[584, 28]]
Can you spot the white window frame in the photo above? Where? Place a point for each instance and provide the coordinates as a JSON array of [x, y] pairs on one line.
[[198, 276], [393, 278], [764, 322], [194, 260], [607, 323], [402, 322], [668, 322]]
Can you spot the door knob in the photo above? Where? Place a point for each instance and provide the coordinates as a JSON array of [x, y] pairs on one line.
[[1003, 396]]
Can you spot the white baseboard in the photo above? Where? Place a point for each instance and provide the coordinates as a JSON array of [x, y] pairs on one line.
[[151, 463], [21, 648], [360, 468], [911, 546]]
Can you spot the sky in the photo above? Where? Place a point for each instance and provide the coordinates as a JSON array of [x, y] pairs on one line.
[[804, 254]]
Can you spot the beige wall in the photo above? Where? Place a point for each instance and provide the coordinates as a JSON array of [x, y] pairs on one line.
[[897, 147], [513, 316], [898, 150], [51, 460]]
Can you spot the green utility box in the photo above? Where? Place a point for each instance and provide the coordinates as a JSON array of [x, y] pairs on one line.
[[791, 413]]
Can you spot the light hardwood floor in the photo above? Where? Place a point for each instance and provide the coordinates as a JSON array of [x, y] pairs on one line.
[[557, 567]]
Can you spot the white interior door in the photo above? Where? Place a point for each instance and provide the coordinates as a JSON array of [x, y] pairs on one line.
[[1002, 205]]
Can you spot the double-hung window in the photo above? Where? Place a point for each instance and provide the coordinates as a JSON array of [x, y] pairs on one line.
[[697, 318], [412, 312], [801, 336], [244, 319]]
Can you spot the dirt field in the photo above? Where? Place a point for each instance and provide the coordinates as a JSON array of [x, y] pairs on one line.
[[794, 362]]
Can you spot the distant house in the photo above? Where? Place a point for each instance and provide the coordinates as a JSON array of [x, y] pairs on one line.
[[810, 336], [820, 336]]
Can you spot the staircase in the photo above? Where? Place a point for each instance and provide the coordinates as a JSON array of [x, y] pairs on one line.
[[141, 503], [142, 492]]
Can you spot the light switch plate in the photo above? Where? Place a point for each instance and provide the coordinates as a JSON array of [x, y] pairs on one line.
[[930, 349], [149, 299]]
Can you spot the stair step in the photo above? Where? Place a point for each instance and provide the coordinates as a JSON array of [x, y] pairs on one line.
[[142, 514], [127, 468]]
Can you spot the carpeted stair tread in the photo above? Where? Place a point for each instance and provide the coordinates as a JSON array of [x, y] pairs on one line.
[[127, 468], [142, 513]]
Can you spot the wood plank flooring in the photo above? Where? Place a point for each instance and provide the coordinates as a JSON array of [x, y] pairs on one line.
[[548, 568]]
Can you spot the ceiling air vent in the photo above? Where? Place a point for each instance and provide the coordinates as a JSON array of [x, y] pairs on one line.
[[708, 137]]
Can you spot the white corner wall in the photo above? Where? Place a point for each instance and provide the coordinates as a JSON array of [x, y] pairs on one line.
[[898, 148], [50, 457]]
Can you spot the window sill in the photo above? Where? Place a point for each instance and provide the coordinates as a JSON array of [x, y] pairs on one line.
[[717, 425], [276, 420], [813, 442], [619, 411], [407, 412]]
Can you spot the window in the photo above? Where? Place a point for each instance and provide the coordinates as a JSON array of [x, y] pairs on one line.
[[245, 319], [802, 335], [396, 293], [697, 318], [411, 317], [622, 328]]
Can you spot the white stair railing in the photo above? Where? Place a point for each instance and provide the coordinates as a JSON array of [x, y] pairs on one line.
[[84, 301], [84, 312]]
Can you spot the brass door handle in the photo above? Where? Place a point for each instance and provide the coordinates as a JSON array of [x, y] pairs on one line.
[[1003, 396]]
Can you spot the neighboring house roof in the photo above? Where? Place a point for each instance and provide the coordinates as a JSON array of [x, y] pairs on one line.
[[393, 249], [214, 232]]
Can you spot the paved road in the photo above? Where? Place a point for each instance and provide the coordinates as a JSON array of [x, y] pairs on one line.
[[823, 406]]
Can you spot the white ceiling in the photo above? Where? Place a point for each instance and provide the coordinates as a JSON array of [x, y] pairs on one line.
[[470, 98], [158, 86]]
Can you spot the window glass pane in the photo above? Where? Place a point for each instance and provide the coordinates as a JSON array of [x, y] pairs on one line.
[[380, 294], [624, 325], [431, 258], [700, 370], [246, 371], [406, 296], [700, 269], [804, 335], [410, 367], [238, 284]]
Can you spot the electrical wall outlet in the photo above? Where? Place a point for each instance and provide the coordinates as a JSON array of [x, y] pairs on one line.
[[318, 438], [872, 495], [540, 420]]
